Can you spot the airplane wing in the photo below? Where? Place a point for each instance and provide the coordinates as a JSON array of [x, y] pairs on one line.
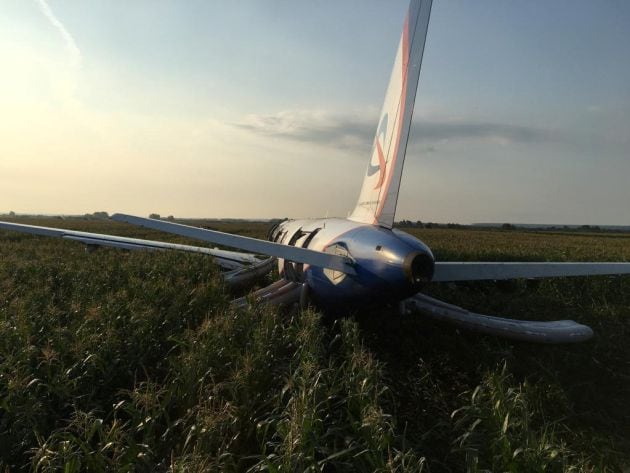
[[230, 260], [292, 253], [452, 271]]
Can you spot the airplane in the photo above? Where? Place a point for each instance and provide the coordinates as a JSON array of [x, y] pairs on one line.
[[361, 260]]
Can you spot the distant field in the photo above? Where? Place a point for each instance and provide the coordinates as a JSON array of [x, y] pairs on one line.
[[136, 362]]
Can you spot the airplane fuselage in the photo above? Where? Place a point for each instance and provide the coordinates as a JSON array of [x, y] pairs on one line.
[[390, 264]]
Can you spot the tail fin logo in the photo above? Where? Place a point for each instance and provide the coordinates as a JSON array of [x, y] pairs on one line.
[[378, 150]]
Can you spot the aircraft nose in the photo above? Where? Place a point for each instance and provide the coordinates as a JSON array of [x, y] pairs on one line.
[[418, 267]]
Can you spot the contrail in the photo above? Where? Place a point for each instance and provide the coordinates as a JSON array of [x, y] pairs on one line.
[[71, 45]]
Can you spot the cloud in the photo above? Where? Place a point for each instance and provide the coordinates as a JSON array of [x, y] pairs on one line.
[[463, 130], [74, 52], [71, 44], [319, 127], [354, 130]]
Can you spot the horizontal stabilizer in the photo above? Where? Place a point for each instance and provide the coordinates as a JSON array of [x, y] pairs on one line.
[[558, 331], [445, 272], [292, 253]]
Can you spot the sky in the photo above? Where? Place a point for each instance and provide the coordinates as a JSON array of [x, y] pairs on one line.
[[268, 108]]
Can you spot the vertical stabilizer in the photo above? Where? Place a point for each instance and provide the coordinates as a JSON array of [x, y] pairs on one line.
[[377, 201]]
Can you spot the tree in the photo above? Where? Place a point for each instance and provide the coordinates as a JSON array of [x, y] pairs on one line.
[[155, 216]]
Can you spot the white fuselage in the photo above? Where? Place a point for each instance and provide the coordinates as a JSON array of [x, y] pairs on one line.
[[389, 264]]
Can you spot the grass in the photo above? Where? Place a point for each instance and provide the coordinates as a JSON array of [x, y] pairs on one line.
[[136, 362]]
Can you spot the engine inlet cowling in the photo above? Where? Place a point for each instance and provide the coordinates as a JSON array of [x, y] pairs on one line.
[[418, 268]]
